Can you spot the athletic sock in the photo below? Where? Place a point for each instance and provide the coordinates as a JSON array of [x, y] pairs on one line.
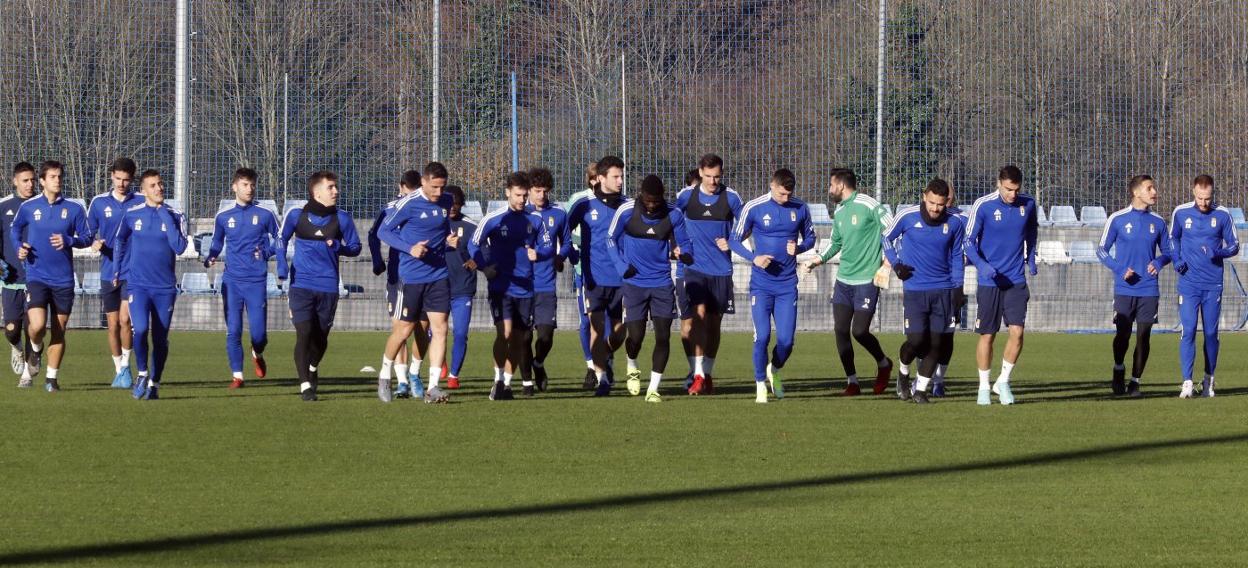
[[507, 379], [852, 379], [312, 368], [602, 376], [1006, 368], [692, 365], [1135, 380], [904, 368], [238, 376], [699, 365], [984, 377], [921, 384], [939, 375], [117, 363], [125, 356], [416, 367], [51, 373], [498, 374], [655, 377], [708, 365], [589, 364], [632, 364], [387, 364], [36, 347], [400, 371], [527, 383], [304, 386], [433, 380]]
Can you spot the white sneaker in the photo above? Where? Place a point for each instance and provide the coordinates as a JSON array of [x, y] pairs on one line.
[[762, 392], [1186, 391], [17, 360]]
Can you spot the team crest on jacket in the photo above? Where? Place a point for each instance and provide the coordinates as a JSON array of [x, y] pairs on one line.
[[996, 215], [550, 221], [255, 219], [1152, 228], [1022, 211], [230, 224], [1213, 222], [459, 231], [108, 212], [944, 228], [64, 213], [793, 216], [853, 219]]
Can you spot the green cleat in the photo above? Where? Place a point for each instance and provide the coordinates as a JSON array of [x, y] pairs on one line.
[[653, 397], [1002, 390], [773, 381], [985, 397], [634, 382]]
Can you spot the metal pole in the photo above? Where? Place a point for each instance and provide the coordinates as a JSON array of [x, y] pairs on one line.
[[624, 120], [437, 69], [181, 112], [285, 136], [879, 108], [515, 135]]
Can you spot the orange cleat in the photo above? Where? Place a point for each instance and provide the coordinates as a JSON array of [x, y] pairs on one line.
[[852, 389], [452, 383], [261, 366], [698, 387], [881, 378], [236, 384]]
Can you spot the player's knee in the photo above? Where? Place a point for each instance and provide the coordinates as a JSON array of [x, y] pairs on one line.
[[13, 333]]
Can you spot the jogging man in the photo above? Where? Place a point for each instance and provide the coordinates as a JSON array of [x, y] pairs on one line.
[[408, 378], [13, 292], [103, 218], [545, 301]]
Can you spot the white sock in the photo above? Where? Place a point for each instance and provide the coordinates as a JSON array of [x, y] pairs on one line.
[[602, 376], [25, 371], [852, 379], [125, 356], [921, 384], [498, 374], [655, 377], [117, 364], [939, 377], [387, 364], [416, 367], [152, 383], [699, 365], [1006, 368], [589, 364], [400, 372], [238, 376], [984, 377], [708, 365], [36, 347], [304, 386], [1135, 380], [632, 364], [506, 379], [1120, 367], [312, 368], [760, 388], [52, 373], [904, 368]]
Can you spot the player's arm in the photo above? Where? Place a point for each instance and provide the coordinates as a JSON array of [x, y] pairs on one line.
[[614, 233], [218, 241], [576, 215], [1031, 236], [835, 243], [957, 265], [288, 230], [270, 237], [1176, 241], [176, 236], [374, 244], [1108, 237], [17, 232], [479, 242], [349, 245], [806, 232], [1163, 248], [974, 233], [1229, 242], [540, 240], [83, 237], [741, 233], [682, 237], [563, 237], [119, 242], [888, 238]]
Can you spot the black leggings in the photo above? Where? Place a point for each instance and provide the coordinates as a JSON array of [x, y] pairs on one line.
[[919, 345], [946, 352], [662, 341], [1122, 339], [311, 342], [544, 342], [849, 323]]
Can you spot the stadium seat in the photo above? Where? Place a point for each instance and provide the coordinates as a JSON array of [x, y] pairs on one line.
[[197, 284], [175, 204], [288, 205], [342, 289], [91, 284], [1083, 252], [495, 205], [205, 244], [224, 204], [270, 285], [271, 205], [1237, 217], [1042, 218], [77, 285], [472, 210], [889, 208], [1051, 252], [1063, 216], [1092, 216], [819, 214]]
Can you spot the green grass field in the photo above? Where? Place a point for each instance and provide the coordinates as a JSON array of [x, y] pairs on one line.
[[206, 476]]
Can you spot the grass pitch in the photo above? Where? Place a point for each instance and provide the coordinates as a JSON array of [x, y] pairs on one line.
[[206, 476]]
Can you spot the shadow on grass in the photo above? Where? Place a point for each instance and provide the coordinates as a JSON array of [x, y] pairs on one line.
[[166, 544]]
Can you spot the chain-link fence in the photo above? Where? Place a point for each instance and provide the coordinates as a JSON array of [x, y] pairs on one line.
[[1078, 94]]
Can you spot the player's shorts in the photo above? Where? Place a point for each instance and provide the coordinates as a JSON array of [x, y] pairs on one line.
[[392, 297], [40, 295], [505, 307], [996, 304], [683, 308], [603, 298], [648, 303], [14, 300], [112, 296], [312, 305], [545, 309], [415, 299], [1138, 309], [714, 292], [860, 297], [927, 311]]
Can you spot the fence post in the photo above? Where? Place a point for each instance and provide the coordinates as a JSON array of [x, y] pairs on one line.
[[181, 121], [879, 108]]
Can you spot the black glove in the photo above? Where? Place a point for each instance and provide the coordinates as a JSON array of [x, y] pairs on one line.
[[379, 268], [490, 272], [631, 272], [558, 264], [207, 264], [959, 299], [903, 271], [686, 258], [1181, 268]]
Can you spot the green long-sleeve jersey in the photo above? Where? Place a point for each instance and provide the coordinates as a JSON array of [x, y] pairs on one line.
[[856, 228]]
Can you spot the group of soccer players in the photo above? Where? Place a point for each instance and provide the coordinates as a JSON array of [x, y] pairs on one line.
[[638, 263]]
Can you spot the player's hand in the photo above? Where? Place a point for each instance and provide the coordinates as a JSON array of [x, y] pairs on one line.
[[558, 264], [763, 261], [1181, 268], [1031, 268], [490, 272], [1129, 274], [209, 262], [470, 264], [23, 251], [686, 258], [379, 268], [418, 250], [675, 251], [97, 245], [791, 248], [630, 272], [903, 271], [1152, 269], [531, 253], [452, 240], [58, 242], [959, 299], [722, 244]]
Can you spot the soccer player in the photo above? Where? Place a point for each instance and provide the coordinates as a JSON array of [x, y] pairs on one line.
[[545, 301], [409, 384], [959, 307], [929, 265], [578, 281], [322, 234], [13, 292], [103, 217], [1143, 249], [601, 279], [710, 208], [856, 228], [683, 308], [1001, 234], [1203, 236], [248, 233], [148, 239], [640, 245], [781, 228], [506, 245], [420, 229], [49, 227], [462, 272]]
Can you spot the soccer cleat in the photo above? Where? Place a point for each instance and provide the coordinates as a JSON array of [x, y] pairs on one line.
[[51, 385], [496, 390], [1185, 391], [1119, 384], [140, 388], [1003, 392], [699, 384], [17, 360], [153, 393], [236, 384], [938, 390], [591, 380], [985, 396], [653, 396], [920, 397], [689, 380], [603, 389], [610, 372], [308, 395], [527, 390], [774, 382], [435, 395], [1206, 388], [1133, 390], [383, 390], [903, 386], [634, 382], [708, 387], [123, 379], [760, 396], [403, 391], [261, 367], [452, 383], [881, 378], [852, 389], [25, 383], [33, 361], [507, 394], [418, 386], [540, 379]]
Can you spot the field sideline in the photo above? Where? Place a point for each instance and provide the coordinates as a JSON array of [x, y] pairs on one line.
[[206, 476]]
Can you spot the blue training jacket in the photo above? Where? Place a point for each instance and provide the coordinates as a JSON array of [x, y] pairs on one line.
[[933, 251], [249, 235], [644, 243], [149, 239], [1201, 243], [1001, 238], [502, 240], [416, 219], [1138, 239], [772, 225], [707, 218], [35, 223]]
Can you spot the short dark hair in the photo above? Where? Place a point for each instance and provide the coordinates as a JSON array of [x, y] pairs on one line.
[[711, 161], [456, 193], [1203, 180], [1137, 181], [518, 179], [123, 164], [938, 186], [48, 165], [785, 178], [692, 177], [608, 162], [410, 178], [435, 170], [846, 176], [652, 186], [318, 177], [541, 177], [23, 167], [244, 173], [148, 173], [1010, 173]]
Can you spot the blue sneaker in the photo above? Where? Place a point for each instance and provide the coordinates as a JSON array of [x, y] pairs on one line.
[[418, 387], [938, 390], [123, 380], [689, 380], [604, 389], [1003, 392], [139, 392], [404, 391], [985, 397]]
